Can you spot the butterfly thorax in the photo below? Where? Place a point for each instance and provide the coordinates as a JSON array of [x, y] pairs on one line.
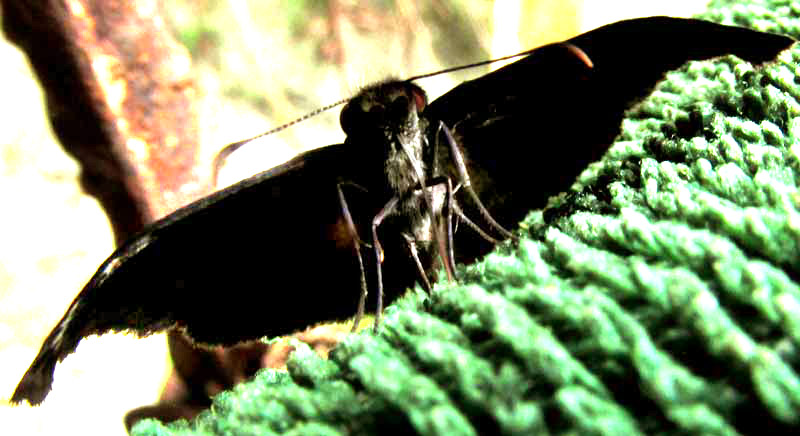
[[384, 120]]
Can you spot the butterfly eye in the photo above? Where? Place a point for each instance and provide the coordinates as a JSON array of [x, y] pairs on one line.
[[420, 99], [399, 108], [355, 116], [348, 117]]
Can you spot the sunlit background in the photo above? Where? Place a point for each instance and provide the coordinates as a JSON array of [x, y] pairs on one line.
[[258, 64]]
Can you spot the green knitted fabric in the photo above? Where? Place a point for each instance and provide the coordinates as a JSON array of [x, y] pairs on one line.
[[662, 299]]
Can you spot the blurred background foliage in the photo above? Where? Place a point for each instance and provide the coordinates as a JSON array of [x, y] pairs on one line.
[[264, 63], [257, 64]]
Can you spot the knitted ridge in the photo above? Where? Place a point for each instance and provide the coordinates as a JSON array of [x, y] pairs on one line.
[[662, 296]]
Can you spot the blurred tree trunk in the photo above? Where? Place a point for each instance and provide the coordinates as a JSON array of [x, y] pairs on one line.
[[120, 100]]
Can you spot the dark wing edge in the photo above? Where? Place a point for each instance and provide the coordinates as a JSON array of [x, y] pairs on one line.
[[661, 43], [38, 379], [649, 47], [677, 40], [63, 339]]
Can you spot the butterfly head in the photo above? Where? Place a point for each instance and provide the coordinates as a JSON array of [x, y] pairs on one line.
[[385, 118]]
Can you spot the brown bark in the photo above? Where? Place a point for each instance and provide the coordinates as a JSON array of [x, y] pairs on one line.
[[119, 97], [121, 101]]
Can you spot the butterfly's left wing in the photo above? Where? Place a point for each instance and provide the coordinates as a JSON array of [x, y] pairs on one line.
[[527, 130]]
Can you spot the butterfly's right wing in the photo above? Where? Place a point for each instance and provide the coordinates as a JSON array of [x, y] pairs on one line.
[[267, 256]]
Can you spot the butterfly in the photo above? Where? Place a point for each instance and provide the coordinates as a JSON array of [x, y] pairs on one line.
[[415, 186]]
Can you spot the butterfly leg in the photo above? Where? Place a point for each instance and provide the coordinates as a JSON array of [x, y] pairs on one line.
[[458, 158], [388, 210], [444, 244], [351, 228], [473, 226], [449, 205], [412, 248]]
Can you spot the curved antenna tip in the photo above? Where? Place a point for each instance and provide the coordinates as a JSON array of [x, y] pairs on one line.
[[222, 155]]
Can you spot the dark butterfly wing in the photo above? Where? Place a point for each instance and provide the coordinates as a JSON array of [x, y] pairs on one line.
[[260, 258], [570, 111]]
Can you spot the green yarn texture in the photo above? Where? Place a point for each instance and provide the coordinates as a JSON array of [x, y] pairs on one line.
[[662, 299]]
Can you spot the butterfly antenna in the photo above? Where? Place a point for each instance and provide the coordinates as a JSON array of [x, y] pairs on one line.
[[223, 154], [464, 67]]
